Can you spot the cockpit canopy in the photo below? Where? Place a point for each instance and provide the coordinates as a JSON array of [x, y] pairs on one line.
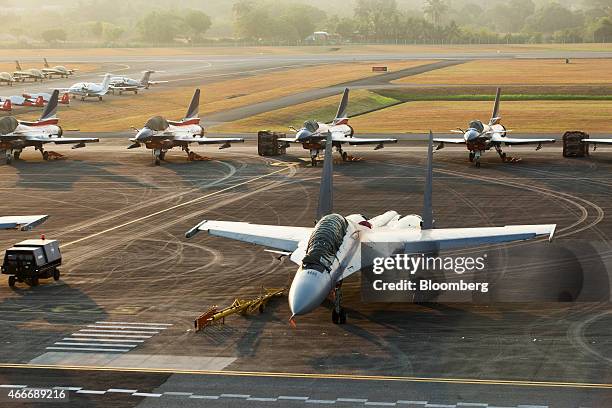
[[476, 124], [8, 124], [324, 242], [311, 125], [157, 123]]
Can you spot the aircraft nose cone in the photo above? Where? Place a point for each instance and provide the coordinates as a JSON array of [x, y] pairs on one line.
[[471, 135], [143, 134], [308, 290], [303, 134]]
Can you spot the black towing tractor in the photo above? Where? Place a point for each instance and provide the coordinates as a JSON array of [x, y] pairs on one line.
[[31, 260]]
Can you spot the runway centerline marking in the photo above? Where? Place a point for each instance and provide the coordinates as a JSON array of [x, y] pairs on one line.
[[351, 377], [195, 200]]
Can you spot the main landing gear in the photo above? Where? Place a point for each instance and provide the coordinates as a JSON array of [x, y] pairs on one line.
[[505, 158], [475, 157], [343, 154], [313, 157], [338, 312]]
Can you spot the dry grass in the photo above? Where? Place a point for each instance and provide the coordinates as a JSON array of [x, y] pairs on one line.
[[120, 112], [441, 116], [538, 72], [521, 116], [343, 49]]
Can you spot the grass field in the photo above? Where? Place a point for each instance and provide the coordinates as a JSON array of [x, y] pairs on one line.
[[119, 113], [341, 49], [526, 71], [440, 116]]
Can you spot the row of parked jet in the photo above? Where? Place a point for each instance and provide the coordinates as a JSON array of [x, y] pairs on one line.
[[35, 74], [161, 135]]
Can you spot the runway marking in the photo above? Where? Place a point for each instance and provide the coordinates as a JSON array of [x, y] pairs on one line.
[[12, 386], [111, 335], [138, 323], [195, 200], [235, 396], [95, 344], [146, 394], [126, 327], [86, 349], [121, 390], [101, 340], [212, 397], [91, 392], [118, 331]]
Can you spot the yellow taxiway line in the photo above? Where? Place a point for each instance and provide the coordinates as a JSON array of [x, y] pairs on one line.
[[515, 383]]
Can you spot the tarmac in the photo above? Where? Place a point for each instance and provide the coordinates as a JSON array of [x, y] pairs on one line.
[[128, 268], [117, 329]]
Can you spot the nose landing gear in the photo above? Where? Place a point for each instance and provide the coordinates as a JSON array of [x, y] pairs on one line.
[[338, 312]]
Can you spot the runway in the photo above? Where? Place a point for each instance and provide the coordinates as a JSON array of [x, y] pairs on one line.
[[128, 271]]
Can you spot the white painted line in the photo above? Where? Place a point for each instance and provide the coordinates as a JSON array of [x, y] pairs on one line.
[[362, 400], [121, 390], [117, 331], [313, 401], [178, 393], [98, 326], [87, 349], [284, 397], [532, 406], [211, 397], [68, 388], [234, 396], [128, 336], [146, 394], [91, 392], [138, 323], [261, 399], [381, 404], [472, 404], [440, 406], [12, 386], [101, 340], [412, 402], [95, 344]]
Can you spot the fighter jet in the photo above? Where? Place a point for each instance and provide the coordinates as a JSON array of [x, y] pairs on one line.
[[312, 135], [331, 251], [88, 89], [58, 70], [480, 137], [30, 73], [125, 84], [161, 135], [46, 97], [22, 222], [16, 135], [7, 78]]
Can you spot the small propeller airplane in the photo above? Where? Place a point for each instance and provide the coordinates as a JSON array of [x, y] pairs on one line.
[[18, 100], [126, 84], [46, 97], [89, 89], [15, 135], [58, 70], [22, 222], [7, 78], [30, 73], [161, 135], [313, 134], [480, 137], [331, 251]]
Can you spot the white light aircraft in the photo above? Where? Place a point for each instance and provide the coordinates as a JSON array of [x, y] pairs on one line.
[[331, 251], [89, 89], [126, 84]]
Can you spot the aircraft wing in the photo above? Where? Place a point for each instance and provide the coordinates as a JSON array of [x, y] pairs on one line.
[[341, 138], [602, 141], [61, 140], [272, 236], [455, 140], [289, 140], [22, 222], [218, 140], [517, 141], [452, 238]]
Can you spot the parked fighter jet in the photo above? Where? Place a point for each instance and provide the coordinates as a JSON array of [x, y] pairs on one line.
[[30, 73], [88, 89], [331, 251], [7, 78], [312, 135], [18, 100], [46, 97], [58, 70], [22, 222], [16, 135], [161, 135], [480, 137], [125, 84]]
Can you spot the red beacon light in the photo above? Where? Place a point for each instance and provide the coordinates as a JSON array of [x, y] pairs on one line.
[[42, 236]]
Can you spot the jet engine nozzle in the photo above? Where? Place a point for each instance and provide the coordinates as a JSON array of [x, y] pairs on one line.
[[308, 290]]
